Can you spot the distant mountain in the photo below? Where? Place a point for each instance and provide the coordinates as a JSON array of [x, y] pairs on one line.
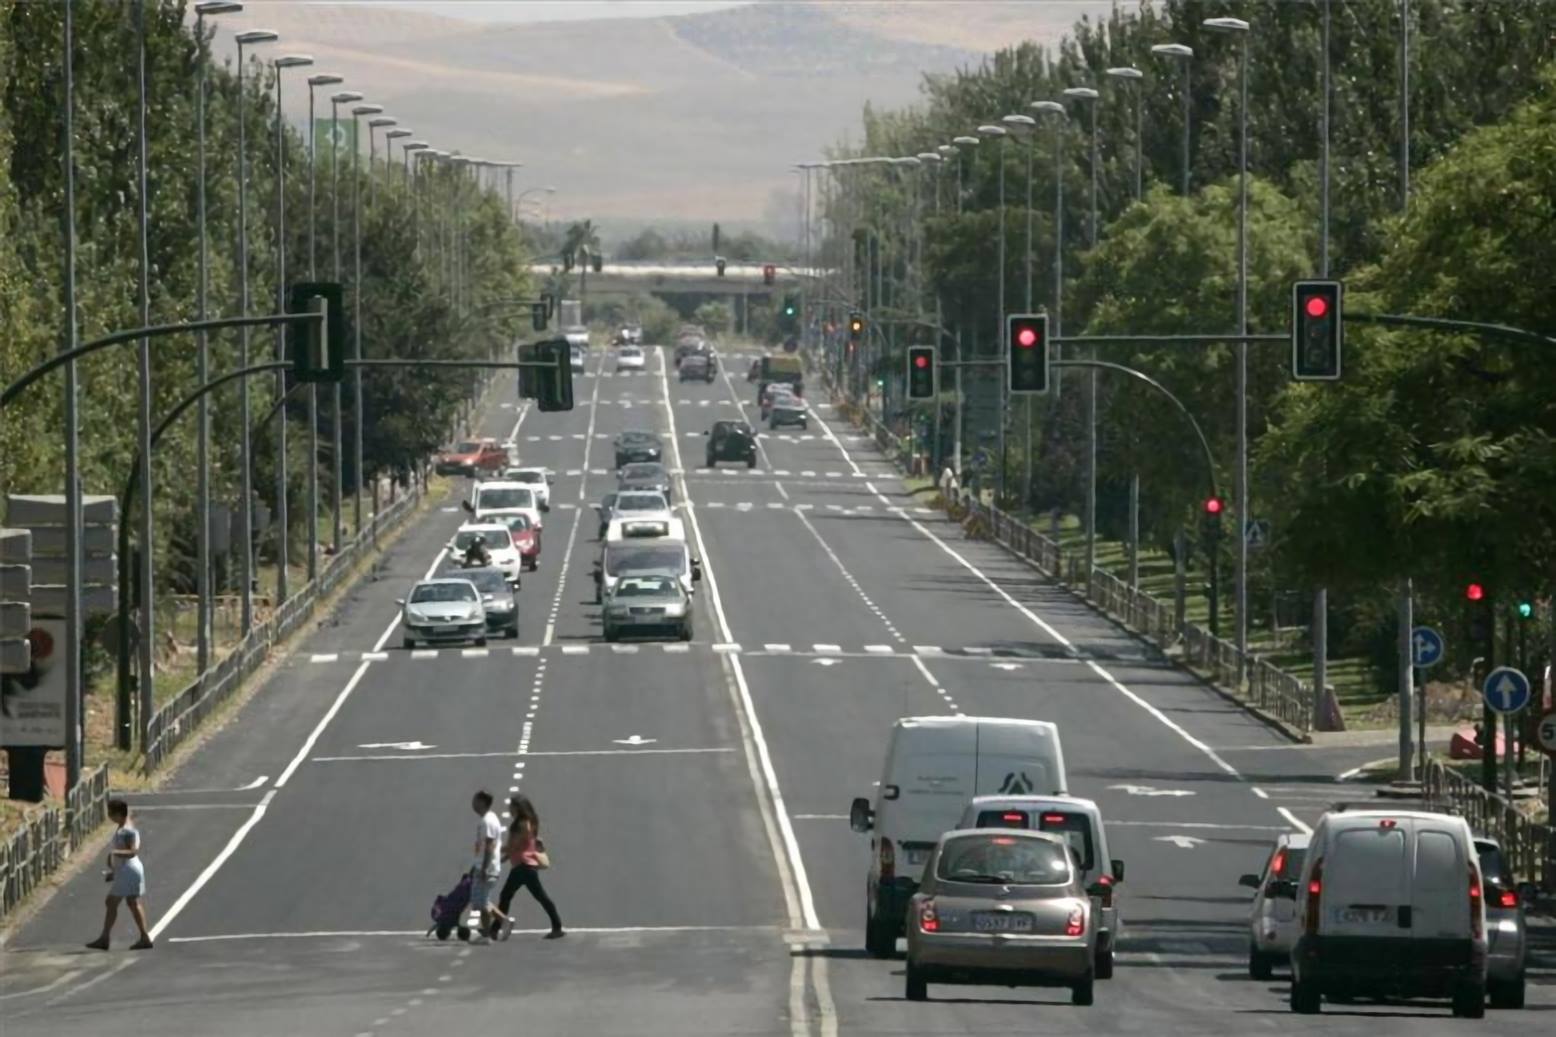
[[681, 119]]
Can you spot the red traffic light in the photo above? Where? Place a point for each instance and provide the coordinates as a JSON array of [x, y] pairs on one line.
[[1026, 338], [1316, 306], [1213, 506], [1475, 592], [921, 361]]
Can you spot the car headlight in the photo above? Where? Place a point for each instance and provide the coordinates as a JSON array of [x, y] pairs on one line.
[[619, 610], [499, 605], [677, 610]]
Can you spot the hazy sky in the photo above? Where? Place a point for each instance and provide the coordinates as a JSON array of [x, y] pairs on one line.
[[556, 10]]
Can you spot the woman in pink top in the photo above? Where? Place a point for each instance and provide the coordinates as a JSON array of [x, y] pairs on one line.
[[524, 849]]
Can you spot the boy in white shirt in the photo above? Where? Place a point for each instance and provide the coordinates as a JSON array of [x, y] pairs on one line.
[[487, 868]]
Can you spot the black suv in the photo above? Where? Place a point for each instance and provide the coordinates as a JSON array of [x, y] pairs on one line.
[[634, 446], [697, 367], [731, 441]]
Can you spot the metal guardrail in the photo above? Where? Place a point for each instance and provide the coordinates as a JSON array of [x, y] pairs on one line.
[[44, 841], [183, 714], [1530, 847]]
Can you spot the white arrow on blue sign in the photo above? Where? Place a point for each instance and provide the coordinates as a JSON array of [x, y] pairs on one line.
[[1506, 690], [1426, 647]]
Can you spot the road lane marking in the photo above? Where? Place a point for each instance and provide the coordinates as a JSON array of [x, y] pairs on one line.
[[1296, 822], [211, 869], [357, 934], [525, 753], [578, 511]]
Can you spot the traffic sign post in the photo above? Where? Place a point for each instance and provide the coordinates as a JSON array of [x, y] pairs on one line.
[[1426, 647], [1506, 690]]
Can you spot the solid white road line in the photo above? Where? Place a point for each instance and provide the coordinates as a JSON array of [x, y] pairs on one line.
[[1296, 822], [572, 536], [212, 868], [527, 753]]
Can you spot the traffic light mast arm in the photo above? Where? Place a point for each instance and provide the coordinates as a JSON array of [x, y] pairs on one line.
[[1480, 329], [1204, 444]]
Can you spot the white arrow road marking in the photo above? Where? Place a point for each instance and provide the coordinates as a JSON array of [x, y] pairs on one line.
[[1149, 790], [409, 746], [1006, 666], [1182, 842], [825, 662], [635, 740]]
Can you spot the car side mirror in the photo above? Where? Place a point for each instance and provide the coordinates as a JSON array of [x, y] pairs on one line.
[[696, 571], [1118, 869], [399, 601], [467, 506], [861, 816], [1251, 881]]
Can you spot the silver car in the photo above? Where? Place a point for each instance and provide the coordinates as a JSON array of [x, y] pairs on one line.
[[648, 604], [1506, 931], [1005, 907], [443, 611], [1272, 922]]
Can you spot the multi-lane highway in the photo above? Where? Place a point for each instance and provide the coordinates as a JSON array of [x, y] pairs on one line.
[[693, 797]]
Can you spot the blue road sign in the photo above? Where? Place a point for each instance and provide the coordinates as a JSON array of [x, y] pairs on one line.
[[1426, 647], [1506, 690]]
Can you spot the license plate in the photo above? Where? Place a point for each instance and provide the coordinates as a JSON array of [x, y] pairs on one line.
[[1365, 915], [1001, 922], [444, 629]]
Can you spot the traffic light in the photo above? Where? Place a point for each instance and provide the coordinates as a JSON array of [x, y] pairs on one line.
[[791, 307], [719, 264], [567, 261], [318, 347], [855, 328], [539, 315], [921, 372], [1214, 506], [599, 262], [1026, 336], [1316, 336], [769, 273], [1482, 619], [550, 381], [1526, 610]]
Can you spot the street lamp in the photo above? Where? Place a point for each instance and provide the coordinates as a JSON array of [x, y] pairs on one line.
[[203, 9], [1185, 54], [1239, 28], [1130, 74], [1086, 93], [250, 38], [338, 445], [314, 82], [1061, 116], [382, 122], [398, 133], [963, 142], [1001, 134], [356, 295], [283, 545], [408, 149]]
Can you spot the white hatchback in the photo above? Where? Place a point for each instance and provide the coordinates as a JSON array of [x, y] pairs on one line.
[[538, 479], [630, 358]]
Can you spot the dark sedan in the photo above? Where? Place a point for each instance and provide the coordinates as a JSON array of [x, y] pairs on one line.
[[634, 446], [644, 475], [502, 608]]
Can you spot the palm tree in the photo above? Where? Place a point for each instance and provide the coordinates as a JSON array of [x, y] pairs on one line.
[[581, 241]]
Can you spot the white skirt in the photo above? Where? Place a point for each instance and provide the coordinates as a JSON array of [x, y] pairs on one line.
[[129, 879]]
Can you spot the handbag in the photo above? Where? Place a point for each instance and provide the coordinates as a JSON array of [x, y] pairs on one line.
[[542, 858]]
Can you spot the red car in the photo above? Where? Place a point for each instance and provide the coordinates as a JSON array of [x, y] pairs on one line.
[[526, 538], [470, 456]]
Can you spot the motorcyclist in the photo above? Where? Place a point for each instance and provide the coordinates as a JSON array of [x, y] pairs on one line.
[[476, 554]]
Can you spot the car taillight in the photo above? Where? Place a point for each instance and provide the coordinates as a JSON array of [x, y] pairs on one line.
[[1278, 865], [1315, 890], [1477, 913], [1507, 898], [1106, 895], [928, 921], [1075, 925], [888, 860]]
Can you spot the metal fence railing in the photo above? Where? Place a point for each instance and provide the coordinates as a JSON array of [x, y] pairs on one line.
[[32, 853], [185, 712], [1530, 848]]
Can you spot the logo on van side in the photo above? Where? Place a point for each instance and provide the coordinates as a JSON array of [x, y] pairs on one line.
[[1017, 784]]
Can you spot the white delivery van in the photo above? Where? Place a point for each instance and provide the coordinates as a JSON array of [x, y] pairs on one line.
[[934, 765], [1079, 823], [1391, 904]]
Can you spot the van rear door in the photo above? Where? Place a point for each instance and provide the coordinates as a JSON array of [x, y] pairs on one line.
[[1366, 880], [1440, 892], [1019, 759], [930, 769]]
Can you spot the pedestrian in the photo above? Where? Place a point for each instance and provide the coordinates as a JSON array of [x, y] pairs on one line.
[[527, 858], [487, 868], [126, 878]]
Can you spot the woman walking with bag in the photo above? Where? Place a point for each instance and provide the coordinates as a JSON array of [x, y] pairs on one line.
[[527, 855], [127, 878]]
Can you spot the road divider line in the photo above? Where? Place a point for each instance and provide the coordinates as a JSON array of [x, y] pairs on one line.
[[318, 729], [572, 535], [216, 862]]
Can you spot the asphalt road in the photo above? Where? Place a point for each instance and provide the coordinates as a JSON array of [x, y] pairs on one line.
[[693, 797]]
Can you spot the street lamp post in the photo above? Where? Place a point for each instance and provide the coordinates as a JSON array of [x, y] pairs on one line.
[[1061, 119], [314, 82], [398, 133], [245, 450], [1001, 134], [203, 10], [337, 443], [1130, 74], [1186, 55], [1025, 126], [1240, 28], [385, 123], [356, 298], [283, 547], [1086, 93]]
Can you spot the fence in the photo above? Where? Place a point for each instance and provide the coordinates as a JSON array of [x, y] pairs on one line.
[[32, 853], [1530, 848], [186, 711]]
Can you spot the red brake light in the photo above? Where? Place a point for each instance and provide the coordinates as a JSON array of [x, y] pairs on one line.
[[1477, 915], [1278, 865], [1315, 889], [1053, 819], [1014, 817], [1387, 822], [1075, 925], [1507, 898], [928, 921], [1004, 841]]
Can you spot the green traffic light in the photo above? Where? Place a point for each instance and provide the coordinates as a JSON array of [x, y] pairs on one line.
[[1525, 609]]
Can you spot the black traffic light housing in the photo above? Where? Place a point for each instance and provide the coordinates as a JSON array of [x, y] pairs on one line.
[[1317, 335], [1026, 340], [769, 273], [719, 265], [549, 382], [921, 372], [598, 262], [318, 348], [567, 261], [856, 328]]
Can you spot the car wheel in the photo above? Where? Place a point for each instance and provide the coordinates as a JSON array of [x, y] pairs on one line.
[[751, 462], [1469, 1000], [916, 987], [1103, 966], [880, 938], [1259, 965], [1084, 992], [513, 632], [686, 635], [610, 633], [480, 642], [1305, 998], [710, 462], [1507, 994], [407, 642]]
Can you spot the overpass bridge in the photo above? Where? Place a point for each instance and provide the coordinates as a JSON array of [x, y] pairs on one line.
[[692, 277]]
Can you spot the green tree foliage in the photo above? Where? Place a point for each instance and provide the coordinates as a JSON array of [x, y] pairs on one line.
[[408, 305]]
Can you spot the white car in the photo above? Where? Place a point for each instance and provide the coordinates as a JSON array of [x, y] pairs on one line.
[[630, 358], [443, 610], [502, 495], [499, 541], [1272, 922], [538, 479]]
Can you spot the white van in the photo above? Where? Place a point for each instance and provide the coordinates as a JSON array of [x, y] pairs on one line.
[[934, 765], [1391, 903], [496, 496], [1079, 822], [669, 556]]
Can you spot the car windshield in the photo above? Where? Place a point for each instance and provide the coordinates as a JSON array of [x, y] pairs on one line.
[[486, 580], [467, 447], [496, 537], [638, 438], [643, 470], [1492, 868], [631, 351], [641, 502], [1007, 860], [648, 587], [451, 591], [622, 558], [507, 497], [518, 523]]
